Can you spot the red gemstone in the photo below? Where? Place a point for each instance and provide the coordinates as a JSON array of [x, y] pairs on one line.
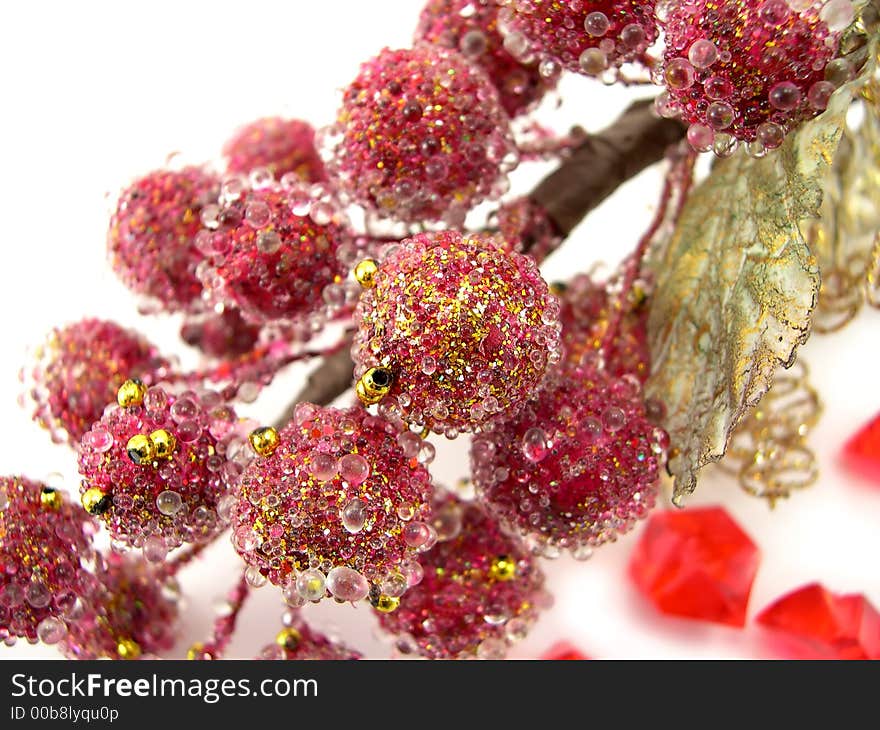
[[862, 452], [564, 651], [819, 624], [696, 563]]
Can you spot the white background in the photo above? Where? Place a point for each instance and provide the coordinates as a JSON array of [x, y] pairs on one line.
[[96, 93]]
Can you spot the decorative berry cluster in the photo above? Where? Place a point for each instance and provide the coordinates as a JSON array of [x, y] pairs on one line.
[[451, 330]]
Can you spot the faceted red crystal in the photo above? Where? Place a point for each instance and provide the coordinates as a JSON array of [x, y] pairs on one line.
[[564, 651], [819, 624], [862, 452], [696, 563]]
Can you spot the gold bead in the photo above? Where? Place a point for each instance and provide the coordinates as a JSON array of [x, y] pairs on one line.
[[374, 385], [386, 604], [289, 638], [558, 288], [365, 272], [503, 568], [95, 501], [140, 449], [50, 498], [163, 443], [131, 393], [264, 440], [196, 651], [128, 649]]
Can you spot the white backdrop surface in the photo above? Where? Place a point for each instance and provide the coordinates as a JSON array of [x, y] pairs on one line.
[[96, 93]]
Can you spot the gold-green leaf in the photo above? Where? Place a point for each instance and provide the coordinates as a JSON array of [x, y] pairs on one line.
[[736, 286]]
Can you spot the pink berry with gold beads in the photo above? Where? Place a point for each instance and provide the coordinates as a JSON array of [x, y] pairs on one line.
[[151, 241], [421, 135], [272, 249], [155, 466], [480, 591], [751, 70], [45, 560], [471, 28], [279, 146], [453, 330], [132, 613], [78, 370], [298, 641], [582, 37], [335, 503], [575, 467]]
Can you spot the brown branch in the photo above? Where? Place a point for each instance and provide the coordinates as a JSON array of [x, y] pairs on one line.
[[595, 169], [327, 382], [603, 162]]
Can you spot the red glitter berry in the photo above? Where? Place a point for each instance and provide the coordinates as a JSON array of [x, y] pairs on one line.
[[471, 27], [223, 335], [583, 37], [338, 505], [280, 146], [45, 550], [750, 70], [587, 307], [575, 467], [152, 235], [132, 613], [78, 370], [480, 592], [154, 471], [525, 226], [421, 135], [298, 641], [460, 330], [273, 251]]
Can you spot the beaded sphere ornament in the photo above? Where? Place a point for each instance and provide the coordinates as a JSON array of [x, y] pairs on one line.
[[272, 249], [421, 136], [151, 241], [471, 27], [575, 467], [78, 369], [587, 308], [131, 614], [279, 146], [223, 335], [299, 641], [335, 503], [452, 330], [750, 70], [45, 550], [154, 467], [581, 36], [480, 592]]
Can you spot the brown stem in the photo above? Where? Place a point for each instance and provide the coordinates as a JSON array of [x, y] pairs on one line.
[[603, 162]]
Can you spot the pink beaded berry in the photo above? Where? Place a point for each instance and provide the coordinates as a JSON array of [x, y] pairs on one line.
[[750, 70], [223, 335], [272, 250], [452, 331], [587, 309], [152, 235], [78, 370], [299, 641], [132, 613], [154, 468], [45, 551], [336, 504], [524, 225], [471, 27], [576, 467], [480, 591], [421, 135], [279, 146], [581, 36]]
